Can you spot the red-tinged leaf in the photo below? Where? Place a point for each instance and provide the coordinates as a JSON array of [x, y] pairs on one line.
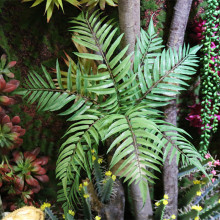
[[3, 58], [22, 132], [17, 156], [19, 141], [13, 207], [16, 129], [42, 160], [0, 183], [43, 178], [41, 171], [2, 83], [31, 181], [11, 64], [29, 156], [6, 119], [11, 101], [10, 75], [35, 167], [25, 200], [36, 189], [19, 183], [4, 100], [13, 136], [16, 120], [11, 85], [36, 151]]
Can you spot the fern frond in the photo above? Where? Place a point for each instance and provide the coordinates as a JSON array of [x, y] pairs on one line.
[[147, 47], [53, 98], [166, 78], [100, 38], [135, 146], [73, 153]]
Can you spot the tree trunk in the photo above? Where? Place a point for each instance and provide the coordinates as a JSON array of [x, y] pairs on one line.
[[176, 38], [129, 20]]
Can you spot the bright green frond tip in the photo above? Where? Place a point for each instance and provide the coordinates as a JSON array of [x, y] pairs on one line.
[[102, 3], [50, 5]]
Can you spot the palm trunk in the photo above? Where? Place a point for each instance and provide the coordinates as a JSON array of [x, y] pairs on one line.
[[176, 38], [129, 20]]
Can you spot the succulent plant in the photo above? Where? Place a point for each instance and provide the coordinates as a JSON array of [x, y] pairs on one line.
[[5, 68], [10, 132], [28, 169]]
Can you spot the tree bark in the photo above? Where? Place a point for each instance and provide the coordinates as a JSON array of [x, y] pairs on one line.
[[129, 20], [176, 39]]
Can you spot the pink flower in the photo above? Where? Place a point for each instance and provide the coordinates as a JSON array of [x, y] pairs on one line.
[[207, 156], [217, 163], [213, 180], [210, 163], [213, 172]]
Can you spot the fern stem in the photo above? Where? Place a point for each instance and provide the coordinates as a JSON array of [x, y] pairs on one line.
[[105, 60], [161, 79], [134, 144]]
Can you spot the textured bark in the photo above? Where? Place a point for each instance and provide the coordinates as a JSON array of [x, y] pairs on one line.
[[129, 20], [176, 39]]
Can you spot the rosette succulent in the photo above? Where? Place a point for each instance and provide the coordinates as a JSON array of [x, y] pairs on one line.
[[10, 132], [6, 87], [5, 68], [28, 169]]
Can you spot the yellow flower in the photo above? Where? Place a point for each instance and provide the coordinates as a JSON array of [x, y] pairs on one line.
[[157, 203], [80, 186], [108, 173], [196, 182], [165, 219], [97, 218], [45, 205], [198, 193], [93, 158], [165, 202], [71, 212], [166, 196], [85, 183], [63, 216], [104, 181], [100, 160], [86, 196], [93, 151], [198, 208], [196, 218], [113, 177], [173, 217], [219, 201]]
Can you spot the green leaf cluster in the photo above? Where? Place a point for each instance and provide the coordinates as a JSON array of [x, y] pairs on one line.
[[116, 101]]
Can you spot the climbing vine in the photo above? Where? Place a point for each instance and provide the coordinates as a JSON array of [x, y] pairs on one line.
[[210, 74]]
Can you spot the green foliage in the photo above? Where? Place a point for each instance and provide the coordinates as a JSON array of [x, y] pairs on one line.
[[206, 201], [151, 6], [116, 101], [101, 3], [197, 198], [50, 5], [210, 78]]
